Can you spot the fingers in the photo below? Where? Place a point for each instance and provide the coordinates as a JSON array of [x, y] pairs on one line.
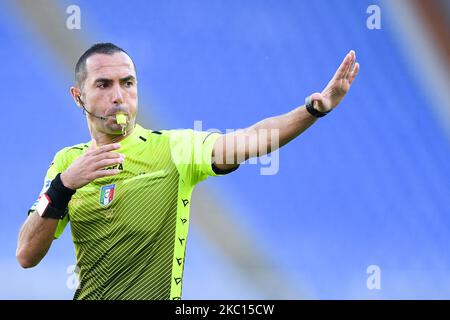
[[107, 155], [105, 173], [346, 66], [351, 63], [105, 148], [343, 68], [107, 162], [354, 73]]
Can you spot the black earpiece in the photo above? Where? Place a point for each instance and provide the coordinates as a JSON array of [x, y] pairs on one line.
[[85, 110]]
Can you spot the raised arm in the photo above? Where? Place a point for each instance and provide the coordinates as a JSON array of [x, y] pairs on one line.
[[272, 133]]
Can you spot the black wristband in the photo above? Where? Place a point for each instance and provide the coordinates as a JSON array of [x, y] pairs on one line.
[[310, 108], [59, 194]]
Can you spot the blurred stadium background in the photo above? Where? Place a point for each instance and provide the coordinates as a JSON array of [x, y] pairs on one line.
[[367, 185]]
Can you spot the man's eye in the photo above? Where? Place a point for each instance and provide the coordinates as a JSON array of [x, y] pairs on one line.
[[129, 83], [101, 85]]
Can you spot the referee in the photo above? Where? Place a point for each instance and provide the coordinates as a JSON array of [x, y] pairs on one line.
[[127, 192]]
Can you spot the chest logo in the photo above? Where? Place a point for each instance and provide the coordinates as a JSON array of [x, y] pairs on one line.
[[107, 194]]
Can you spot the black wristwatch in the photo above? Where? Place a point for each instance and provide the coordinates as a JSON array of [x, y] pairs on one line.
[[310, 108]]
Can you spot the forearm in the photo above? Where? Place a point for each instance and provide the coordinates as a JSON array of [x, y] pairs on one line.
[[283, 128], [35, 238], [261, 138]]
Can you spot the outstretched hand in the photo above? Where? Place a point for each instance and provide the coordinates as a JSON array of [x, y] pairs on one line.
[[338, 86]]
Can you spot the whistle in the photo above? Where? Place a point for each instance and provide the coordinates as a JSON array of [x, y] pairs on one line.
[[121, 118]]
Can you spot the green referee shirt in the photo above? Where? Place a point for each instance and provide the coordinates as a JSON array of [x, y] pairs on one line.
[[130, 230]]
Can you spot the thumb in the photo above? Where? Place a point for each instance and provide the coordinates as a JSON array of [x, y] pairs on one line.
[[320, 103], [317, 96]]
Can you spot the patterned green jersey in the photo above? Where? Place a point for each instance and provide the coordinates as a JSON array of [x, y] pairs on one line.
[[130, 230]]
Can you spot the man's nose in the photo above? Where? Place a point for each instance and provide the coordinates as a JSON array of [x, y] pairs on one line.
[[117, 95]]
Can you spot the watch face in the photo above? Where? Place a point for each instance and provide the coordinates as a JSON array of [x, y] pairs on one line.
[[43, 202]]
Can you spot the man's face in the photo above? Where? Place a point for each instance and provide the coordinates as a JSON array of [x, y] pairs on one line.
[[110, 88]]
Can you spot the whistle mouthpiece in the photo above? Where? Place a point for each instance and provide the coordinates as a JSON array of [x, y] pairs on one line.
[[121, 118]]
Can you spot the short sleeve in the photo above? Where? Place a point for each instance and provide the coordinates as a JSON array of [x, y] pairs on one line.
[[55, 167], [192, 153]]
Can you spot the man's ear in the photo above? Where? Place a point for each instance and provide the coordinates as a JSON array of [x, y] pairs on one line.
[[76, 95]]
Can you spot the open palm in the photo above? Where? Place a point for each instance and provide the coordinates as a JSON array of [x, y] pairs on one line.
[[338, 86]]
